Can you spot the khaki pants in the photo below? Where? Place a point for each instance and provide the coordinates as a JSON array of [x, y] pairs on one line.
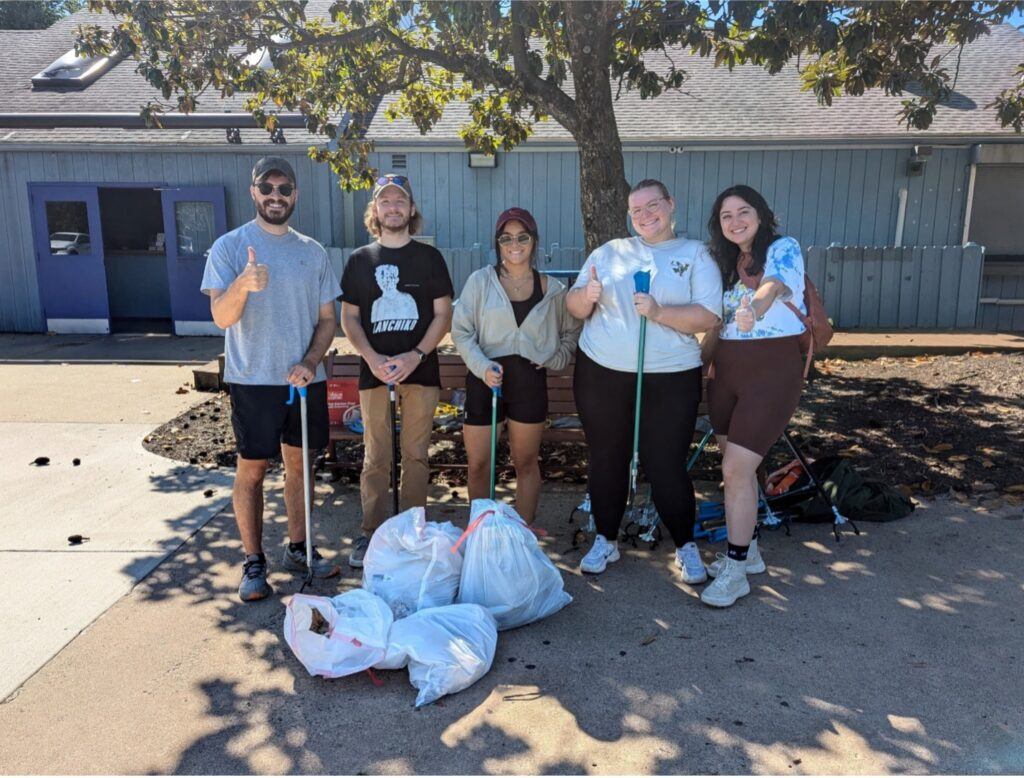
[[417, 404]]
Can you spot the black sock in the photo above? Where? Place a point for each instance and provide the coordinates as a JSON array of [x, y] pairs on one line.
[[260, 556], [739, 553], [300, 546]]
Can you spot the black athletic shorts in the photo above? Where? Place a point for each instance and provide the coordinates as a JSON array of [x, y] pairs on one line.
[[263, 420], [524, 394]]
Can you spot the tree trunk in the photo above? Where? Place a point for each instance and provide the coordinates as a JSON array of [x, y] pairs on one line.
[[603, 187]]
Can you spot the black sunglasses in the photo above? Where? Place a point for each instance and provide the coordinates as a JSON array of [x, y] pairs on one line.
[[285, 190], [400, 180]]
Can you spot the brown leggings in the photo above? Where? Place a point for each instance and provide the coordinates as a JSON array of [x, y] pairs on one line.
[[755, 390]]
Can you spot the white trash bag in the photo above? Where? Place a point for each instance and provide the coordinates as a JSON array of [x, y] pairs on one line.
[[410, 563], [336, 636], [505, 570], [447, 649]]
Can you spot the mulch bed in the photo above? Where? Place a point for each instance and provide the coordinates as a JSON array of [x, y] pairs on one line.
[[946, 425]]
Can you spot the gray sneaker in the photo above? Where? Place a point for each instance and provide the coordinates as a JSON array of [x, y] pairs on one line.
[[355, 559], [254, 584], [295, 561]]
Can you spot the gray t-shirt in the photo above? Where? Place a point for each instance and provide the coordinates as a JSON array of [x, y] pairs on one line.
[[278, 322], [682, 273]]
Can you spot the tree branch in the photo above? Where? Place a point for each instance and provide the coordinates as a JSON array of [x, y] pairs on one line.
[[547, 96]]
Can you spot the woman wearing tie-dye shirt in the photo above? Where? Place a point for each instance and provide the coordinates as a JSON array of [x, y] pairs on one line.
[[758, 371]]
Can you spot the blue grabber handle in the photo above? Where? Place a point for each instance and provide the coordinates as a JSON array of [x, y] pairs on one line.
[[292, 389], [642, 281]]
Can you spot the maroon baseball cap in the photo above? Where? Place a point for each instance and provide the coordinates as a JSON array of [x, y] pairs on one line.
[[520, 215]]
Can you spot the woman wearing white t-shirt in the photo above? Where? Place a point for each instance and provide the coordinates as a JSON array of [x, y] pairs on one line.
[[685, 298], [758, 371]]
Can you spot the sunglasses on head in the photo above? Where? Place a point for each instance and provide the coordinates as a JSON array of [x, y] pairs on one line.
[[400, 180], [285, 190], [507, 240]]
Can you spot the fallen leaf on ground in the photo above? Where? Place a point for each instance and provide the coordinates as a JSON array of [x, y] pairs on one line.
[[1015, 488], [648, 640], [959, 458], [939, 448]]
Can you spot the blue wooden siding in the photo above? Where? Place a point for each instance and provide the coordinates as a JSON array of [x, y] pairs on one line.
[[20, 309], [1002, 298], [847, 196]]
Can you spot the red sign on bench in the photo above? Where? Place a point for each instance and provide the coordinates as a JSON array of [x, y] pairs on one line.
[[342, 394]]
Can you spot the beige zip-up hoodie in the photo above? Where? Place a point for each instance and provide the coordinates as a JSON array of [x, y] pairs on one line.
[[484, 325]]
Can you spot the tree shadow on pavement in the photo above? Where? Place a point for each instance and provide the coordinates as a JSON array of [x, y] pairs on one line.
[[910, 432], [846, 658]]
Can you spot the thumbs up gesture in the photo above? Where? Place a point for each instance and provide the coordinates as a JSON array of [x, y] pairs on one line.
[[594, 287], [745, 315], [254, 277]]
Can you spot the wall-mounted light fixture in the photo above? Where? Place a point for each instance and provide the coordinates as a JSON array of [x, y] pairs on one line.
[[277, 135], [482, 160], [233, 135], [918, 158]]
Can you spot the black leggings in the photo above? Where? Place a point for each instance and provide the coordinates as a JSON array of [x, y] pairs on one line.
[[605, 400]]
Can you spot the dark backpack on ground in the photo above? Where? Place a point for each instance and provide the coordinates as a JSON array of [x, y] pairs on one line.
[[856, 497]]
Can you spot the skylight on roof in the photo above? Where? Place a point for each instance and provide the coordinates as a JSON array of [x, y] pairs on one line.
[[74, 70]]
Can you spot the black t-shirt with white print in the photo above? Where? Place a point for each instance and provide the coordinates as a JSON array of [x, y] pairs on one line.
[[395, 291]]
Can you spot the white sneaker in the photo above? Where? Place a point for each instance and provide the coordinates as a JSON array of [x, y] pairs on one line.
[[600, 554], [690, 564], [755, 563], [729, 586]]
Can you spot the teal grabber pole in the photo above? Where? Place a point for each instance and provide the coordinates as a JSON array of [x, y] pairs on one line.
[[495, 394], [642, 282]]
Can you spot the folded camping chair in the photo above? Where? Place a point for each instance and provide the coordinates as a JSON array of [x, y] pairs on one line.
[[710, 523]]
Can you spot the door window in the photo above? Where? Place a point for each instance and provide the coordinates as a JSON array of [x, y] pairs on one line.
[[67, 224], [193, 220]]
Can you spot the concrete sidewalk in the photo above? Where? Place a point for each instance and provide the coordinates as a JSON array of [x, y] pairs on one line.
[[91, 399], [895, 651]]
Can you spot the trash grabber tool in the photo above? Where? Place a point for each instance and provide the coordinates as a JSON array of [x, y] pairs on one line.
[[393, 402], [642, 283], [292, 389], [495, 394]]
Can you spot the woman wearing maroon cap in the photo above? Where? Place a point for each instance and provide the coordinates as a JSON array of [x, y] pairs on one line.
[[510, 324]]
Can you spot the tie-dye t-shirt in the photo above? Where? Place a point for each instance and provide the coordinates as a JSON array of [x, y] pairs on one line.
[[785, 262]]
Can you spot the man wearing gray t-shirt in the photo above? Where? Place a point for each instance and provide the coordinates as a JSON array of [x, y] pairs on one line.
[[272, 290]]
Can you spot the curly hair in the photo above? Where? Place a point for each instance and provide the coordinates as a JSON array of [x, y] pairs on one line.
[[724, 250]]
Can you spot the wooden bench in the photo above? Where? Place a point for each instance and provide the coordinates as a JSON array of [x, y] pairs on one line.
[[453, 377], [561, 402]]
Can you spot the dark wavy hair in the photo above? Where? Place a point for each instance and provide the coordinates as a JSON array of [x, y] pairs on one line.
[[724, 250]]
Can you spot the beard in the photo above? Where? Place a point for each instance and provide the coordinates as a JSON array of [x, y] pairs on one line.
[[285, 215], [395, 226]]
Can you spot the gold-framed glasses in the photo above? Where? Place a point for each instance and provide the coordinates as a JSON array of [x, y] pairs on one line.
[[523, 238], [650, 209]]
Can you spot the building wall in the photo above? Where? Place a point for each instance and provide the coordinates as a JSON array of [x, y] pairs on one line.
[[20, 309], [847, 196]]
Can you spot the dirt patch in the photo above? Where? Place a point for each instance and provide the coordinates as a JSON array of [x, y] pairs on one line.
[[945, 425]]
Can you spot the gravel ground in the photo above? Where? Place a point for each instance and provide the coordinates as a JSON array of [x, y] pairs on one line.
[[947, 425]]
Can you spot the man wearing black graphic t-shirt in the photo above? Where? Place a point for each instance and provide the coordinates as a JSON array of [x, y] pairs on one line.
[[396, 306]]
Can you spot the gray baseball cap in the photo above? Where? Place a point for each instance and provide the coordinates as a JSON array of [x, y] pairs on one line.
[[267, 165]]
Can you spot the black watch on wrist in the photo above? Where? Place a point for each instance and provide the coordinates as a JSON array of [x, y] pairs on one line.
[[423, 354]]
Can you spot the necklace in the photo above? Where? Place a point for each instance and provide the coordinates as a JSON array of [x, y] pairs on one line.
[[512, 280]]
